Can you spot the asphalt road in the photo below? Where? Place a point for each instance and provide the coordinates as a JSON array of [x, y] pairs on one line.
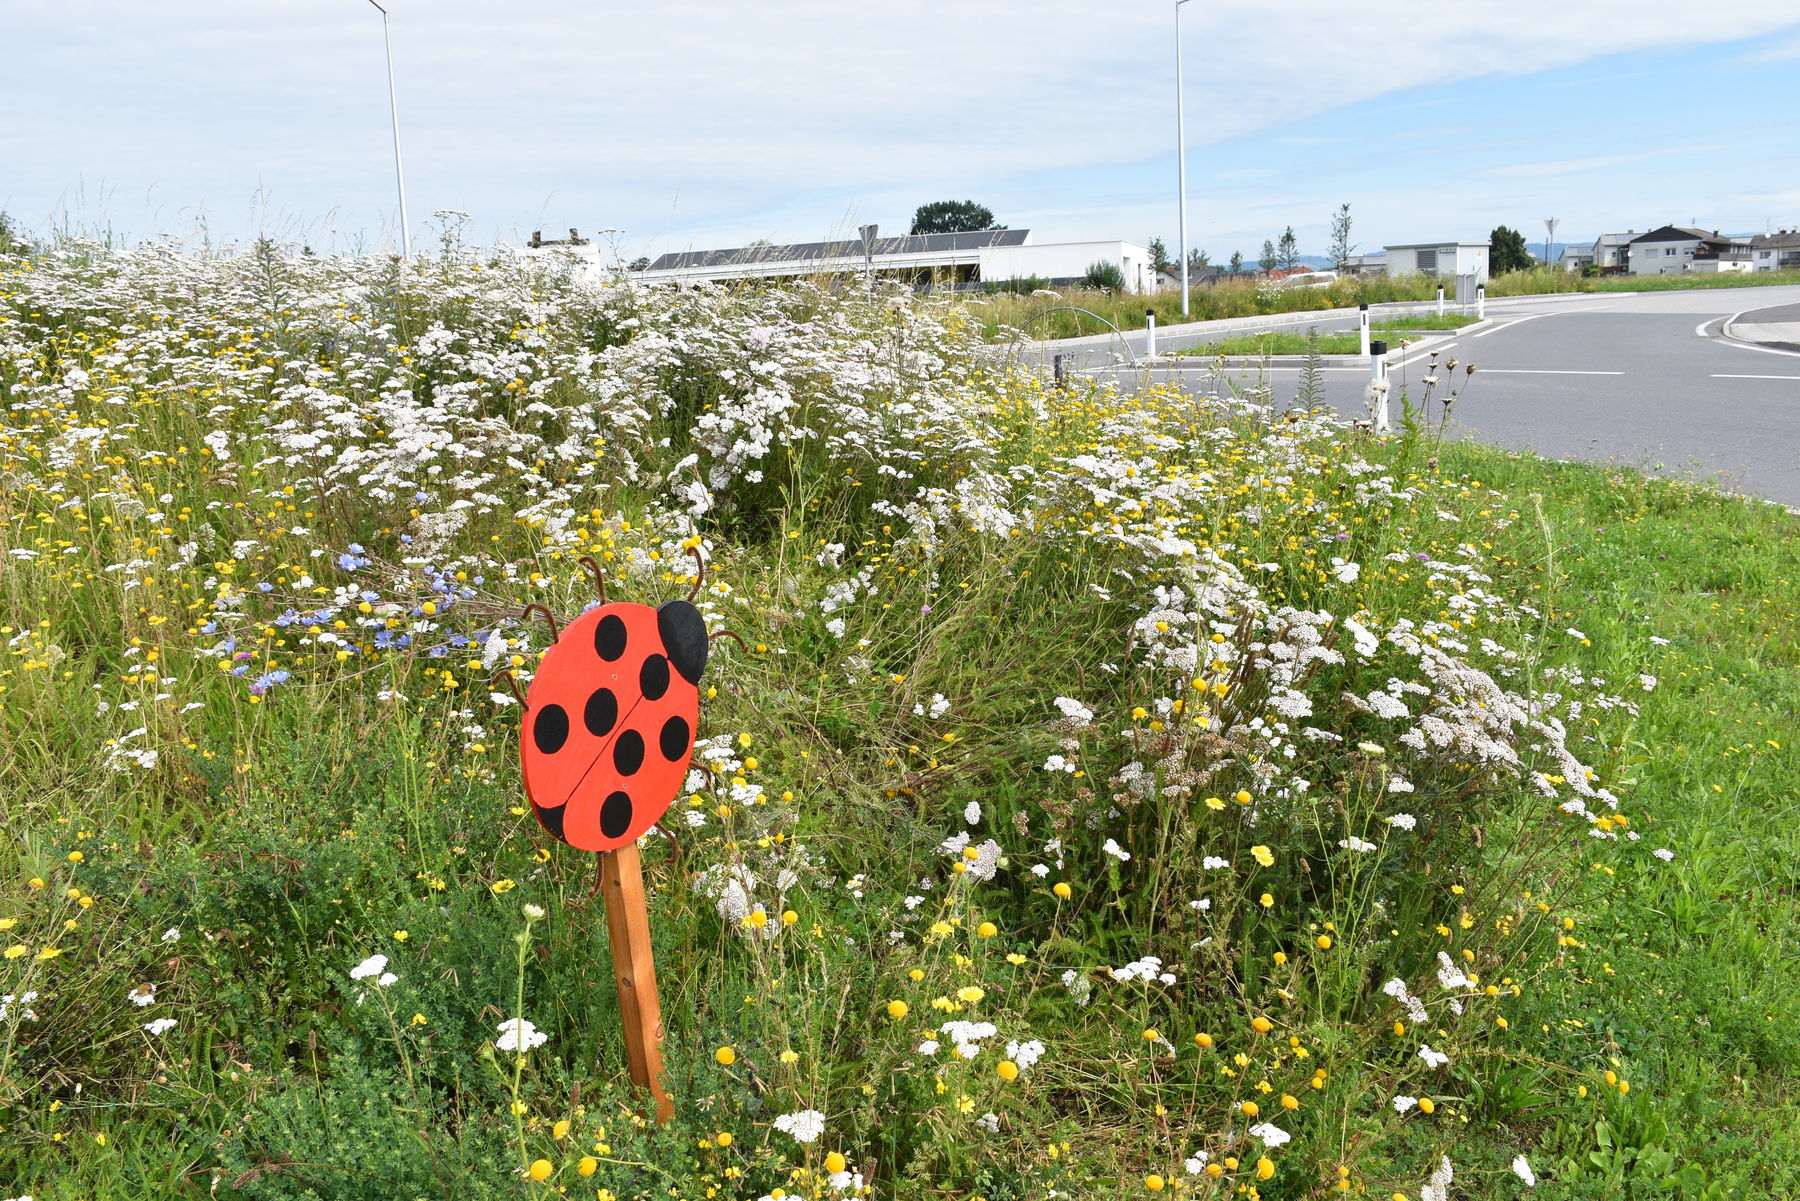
[[1644, 379]]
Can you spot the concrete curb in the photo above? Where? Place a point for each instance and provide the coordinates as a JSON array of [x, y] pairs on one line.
[[1783, 336]]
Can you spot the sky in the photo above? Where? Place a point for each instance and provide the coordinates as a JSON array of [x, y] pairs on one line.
[[696, 124]]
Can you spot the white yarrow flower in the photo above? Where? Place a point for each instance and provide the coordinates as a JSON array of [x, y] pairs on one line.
[[517, 1034], [803, 1126], [161, 1025], [374, 965], [1523, 1171]]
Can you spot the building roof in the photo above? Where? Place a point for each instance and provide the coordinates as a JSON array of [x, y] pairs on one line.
[[1781, 240], [1433, 245], [1683, 233], [804, 252], [1605, 240]]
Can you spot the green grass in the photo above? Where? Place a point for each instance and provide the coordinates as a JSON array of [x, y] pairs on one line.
[[999, 314], [1688, 281], [1425, 321], [1277, 342], [921, 565], [1690, 991]]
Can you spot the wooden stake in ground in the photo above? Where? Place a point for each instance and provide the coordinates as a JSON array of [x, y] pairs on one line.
[[634, 971]]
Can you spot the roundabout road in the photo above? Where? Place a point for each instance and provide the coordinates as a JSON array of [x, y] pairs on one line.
[[1646, 379]]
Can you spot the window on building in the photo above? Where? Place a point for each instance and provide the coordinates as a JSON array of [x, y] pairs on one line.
[[1428, 260], [1669, 251]]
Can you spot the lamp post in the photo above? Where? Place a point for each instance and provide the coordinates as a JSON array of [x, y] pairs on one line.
[[1181, 158], [869, 233], [1549, 235], [394, 113]]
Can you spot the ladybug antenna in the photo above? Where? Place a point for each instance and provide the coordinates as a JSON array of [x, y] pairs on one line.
[[512, 684], [732, 634], [699, 573], [550, 617], [599, 580]]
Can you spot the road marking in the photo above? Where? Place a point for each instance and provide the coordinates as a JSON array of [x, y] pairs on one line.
[[1728, 340], [1520, 321], [1422, 354], [1539, 371], [1700, 330], [1756, 377]]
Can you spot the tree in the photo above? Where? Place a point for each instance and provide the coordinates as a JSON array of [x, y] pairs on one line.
[[1506, 251], [1237, 262], [1341, 246], [1198, 260], [1105, 274], [1159, 254], [641, 263], [1288, 249], [953, 217], [1268, 260]]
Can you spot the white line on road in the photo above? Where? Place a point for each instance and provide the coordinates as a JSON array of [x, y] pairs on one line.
[[1756, 377], [1422, 354], [1730, 341], [1539, 371], [1520, 321], [1700, 330]]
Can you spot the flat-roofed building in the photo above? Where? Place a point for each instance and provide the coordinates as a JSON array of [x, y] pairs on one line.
[[1441, 260]]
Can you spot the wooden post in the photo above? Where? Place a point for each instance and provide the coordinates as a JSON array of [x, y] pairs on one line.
[[634, 971]]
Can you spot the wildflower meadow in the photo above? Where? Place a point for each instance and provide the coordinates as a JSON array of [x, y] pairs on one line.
[[1117, 790]]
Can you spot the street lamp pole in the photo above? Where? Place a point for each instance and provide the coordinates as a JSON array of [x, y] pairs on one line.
[[394, 112], [1180, 158]]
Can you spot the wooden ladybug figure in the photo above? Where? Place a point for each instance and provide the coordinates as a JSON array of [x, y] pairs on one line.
[[610, 718]]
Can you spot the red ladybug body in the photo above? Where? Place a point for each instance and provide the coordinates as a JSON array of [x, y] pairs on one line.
[[610, 719]]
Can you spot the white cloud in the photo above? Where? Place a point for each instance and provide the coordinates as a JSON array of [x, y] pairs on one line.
[[691, 121]]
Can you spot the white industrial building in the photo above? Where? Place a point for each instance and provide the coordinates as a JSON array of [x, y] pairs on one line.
[[925, 260], [1442, 260]]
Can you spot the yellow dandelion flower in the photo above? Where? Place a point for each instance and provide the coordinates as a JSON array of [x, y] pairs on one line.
[[726, 1056]]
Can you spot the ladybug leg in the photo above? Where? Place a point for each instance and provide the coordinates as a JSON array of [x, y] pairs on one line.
[[733, 634], [599, 579], [550, 617], [512, 684], [674, 846]]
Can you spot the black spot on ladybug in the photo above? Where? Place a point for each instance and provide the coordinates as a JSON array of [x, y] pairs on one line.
[[628, 753], [683, 634], [674, 739], [609, 637], [653, 678], [553, 820], [615, 815], [600, 712], [550, 729]]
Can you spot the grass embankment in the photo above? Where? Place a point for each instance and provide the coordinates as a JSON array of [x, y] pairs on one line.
[[1291, 342], [1001, 313], [1277, 342], [1116, 793]]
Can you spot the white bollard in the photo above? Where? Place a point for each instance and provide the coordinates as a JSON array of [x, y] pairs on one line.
[[1480, 302], [1378, 385], [1440, 300], [1149, 333], [1364, 321]]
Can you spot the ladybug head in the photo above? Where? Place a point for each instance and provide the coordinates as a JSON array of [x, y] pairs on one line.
[[683, 634]]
